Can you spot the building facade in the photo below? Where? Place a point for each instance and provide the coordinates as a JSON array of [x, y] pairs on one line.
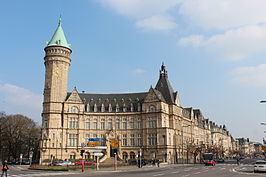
[[152, 124]]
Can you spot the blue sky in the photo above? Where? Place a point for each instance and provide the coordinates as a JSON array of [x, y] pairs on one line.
[[214, 52]]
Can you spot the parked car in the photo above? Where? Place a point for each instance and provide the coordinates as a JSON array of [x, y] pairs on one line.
[[85, 162], [210, 162], [260, 166], [64, 163]]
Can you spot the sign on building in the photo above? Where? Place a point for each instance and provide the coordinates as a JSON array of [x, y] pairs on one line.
[[94, 141], [114, 143]]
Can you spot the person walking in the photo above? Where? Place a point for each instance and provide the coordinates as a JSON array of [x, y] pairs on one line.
[[4, 168]]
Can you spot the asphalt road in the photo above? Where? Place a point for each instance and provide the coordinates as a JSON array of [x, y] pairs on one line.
[[227, 169]]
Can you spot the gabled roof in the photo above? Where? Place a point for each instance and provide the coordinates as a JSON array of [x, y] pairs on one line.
[[59, 38], [163, 85]]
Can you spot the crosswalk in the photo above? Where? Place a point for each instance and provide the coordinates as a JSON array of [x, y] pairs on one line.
[[42, 174]]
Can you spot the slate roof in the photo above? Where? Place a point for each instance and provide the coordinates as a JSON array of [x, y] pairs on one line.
[[121, 99], [163, 85]]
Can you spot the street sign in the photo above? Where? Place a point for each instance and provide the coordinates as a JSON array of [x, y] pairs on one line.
[[94, 139], [94, 150], [100, 147], [98, 154], [114, 143]]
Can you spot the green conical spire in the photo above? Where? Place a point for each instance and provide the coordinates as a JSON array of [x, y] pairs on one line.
[[59, 38]]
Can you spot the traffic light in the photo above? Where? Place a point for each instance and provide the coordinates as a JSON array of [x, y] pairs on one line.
[[81, 152]]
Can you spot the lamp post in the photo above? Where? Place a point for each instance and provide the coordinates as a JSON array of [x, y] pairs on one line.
[[183, 141]]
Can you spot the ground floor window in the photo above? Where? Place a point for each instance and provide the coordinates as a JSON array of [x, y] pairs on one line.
[[72, 156], [125, 155]]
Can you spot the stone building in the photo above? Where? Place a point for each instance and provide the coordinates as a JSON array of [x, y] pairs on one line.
[[150, 123]]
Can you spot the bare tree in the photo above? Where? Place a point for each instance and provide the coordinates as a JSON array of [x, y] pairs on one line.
[[19, 135]]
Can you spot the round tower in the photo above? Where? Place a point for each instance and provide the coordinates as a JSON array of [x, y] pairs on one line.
[[57, 62]]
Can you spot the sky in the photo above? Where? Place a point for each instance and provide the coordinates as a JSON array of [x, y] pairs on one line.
[[214, 52]]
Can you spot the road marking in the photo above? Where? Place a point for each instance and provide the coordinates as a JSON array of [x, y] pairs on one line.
[[175, 172], [186, 175], [197, 173], [161, 174]]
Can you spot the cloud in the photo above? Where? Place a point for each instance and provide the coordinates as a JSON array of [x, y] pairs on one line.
[[232, 29], [139, 9], [149, 14], [223, 14], [139, 71], [157, 23], [18, 100], [235, 44], [251, 76]]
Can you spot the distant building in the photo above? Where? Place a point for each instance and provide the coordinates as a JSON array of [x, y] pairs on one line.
[[150, 123]]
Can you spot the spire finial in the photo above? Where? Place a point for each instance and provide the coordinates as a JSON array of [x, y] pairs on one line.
[[60, 21], [163, 71]]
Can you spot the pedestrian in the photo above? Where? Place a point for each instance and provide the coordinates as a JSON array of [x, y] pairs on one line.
[[4, 168], [158, 162]]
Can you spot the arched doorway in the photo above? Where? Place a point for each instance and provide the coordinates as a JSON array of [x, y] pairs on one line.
[[125, 156], [132, 155]]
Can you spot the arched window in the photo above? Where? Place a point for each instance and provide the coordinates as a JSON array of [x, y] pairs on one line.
[[74, 109], [152, 108]]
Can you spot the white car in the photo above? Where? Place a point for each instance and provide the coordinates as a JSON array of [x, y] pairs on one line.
[[65, 163], [260, 165]]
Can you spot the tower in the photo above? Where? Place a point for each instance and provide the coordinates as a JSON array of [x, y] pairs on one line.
[[57, 62]]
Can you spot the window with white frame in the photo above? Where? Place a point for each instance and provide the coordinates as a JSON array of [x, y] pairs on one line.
[[87, 124], [152, 139], [95, 124], [109, 125], [139, 123], [132, 139], [124, 140], [73, 123], [131, 123], [102, 124], [72, 139], [117, 124], [124, 122], [152, 122], [139, 142]]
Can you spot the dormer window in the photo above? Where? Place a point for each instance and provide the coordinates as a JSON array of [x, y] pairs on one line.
[[131, 107], [74, 109], [152, 108], [110, 108], [139, 108], [102, 108], [95, 108], [124, 107], [117, 108]]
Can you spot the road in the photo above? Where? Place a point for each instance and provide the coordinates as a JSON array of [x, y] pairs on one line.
[[228, 169]]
